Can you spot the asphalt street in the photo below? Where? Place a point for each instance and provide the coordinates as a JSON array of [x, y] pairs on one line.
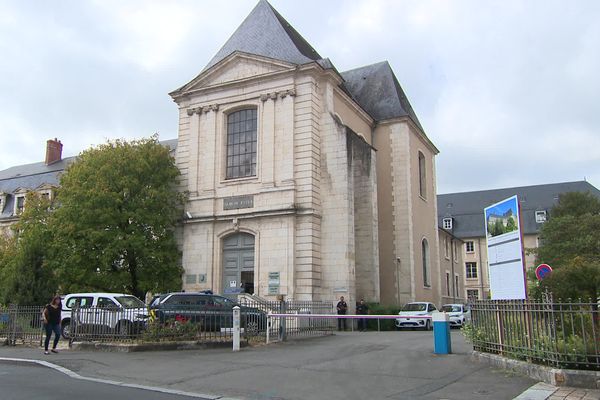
[[370, 365], [32, 382]]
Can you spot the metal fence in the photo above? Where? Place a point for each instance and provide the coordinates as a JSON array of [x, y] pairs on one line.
[[21, 325], [286, 324], [565, 335]]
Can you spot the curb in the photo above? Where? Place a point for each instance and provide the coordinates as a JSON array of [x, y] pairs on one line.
[[75, 375], [156, 346], [549, 375]]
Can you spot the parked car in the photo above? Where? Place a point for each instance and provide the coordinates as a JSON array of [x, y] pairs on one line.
[[103, 312], [415, 315], [458, 314], [211, 311]]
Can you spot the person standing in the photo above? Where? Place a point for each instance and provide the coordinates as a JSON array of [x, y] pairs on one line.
[[362, 309], [342, 308], [51, 318]]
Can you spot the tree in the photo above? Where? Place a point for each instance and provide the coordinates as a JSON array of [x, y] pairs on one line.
[[570, 243], [25, 276], [115, 226]]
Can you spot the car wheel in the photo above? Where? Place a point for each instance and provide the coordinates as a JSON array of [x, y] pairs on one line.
[[124, 328], [428, 325], [65, 329]]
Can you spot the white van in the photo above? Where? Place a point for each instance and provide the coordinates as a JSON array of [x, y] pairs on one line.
[[103, 312]]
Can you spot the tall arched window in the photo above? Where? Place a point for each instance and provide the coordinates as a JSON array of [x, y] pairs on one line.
[[425, 256], [422, 176], [241, 144]]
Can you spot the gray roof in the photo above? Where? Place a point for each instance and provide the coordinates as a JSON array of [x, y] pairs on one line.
[[466, 208], [266, 33], [32, 176], [378, 92]]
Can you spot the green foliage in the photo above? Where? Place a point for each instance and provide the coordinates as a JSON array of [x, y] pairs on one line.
[[384, 324], [25, 277], [564, 338], [114, 229], [174, 331], [570, 243]]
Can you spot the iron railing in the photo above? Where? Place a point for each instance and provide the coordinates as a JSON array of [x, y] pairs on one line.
[[565, 335], [21, 325]]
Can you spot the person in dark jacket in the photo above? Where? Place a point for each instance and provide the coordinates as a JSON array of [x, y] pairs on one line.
[[362, 309], [342, 308], [51, 319]]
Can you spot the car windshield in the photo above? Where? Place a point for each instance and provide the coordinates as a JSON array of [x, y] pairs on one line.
[[130, 302], [452, 308], [415, 307]]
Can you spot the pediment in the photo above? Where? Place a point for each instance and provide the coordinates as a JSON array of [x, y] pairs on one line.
[[45, 186], [234, 68]]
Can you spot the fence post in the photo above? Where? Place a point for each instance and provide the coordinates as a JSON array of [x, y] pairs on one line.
[[268, 326], [236, 328], [282, 320]]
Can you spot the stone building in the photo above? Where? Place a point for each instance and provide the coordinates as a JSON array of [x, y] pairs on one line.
[[304, 181], [461, 214]]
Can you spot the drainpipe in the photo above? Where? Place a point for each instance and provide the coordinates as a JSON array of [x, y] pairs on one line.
[[452, 263]]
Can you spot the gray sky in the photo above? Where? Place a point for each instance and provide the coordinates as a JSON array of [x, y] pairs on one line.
[[507, 90]]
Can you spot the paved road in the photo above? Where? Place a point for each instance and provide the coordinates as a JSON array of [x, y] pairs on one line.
[[28, 382], [386, 365]]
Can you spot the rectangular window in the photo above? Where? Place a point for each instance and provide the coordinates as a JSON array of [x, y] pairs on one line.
[[456, 285], [540, 217], [446, 247], [422, 176], [241, 144], [470, 247], [455, 253], [448, 284], [472, 294], [471, 271]]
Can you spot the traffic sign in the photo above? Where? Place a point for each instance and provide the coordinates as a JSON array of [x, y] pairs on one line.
[[543, 271]]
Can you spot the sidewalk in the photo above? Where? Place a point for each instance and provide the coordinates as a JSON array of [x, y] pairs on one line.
[[386, 365]]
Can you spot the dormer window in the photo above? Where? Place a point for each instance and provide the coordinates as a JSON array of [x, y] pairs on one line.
[[2, 201], [447, 223], [540, 216], [19, 204]]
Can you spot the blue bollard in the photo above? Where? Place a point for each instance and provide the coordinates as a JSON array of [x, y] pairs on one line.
[[441, 333]]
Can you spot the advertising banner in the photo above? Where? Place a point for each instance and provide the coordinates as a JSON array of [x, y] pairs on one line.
[[505, 250]]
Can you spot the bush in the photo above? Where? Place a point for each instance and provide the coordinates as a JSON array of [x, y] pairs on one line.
[[384, 324], [157, 331]]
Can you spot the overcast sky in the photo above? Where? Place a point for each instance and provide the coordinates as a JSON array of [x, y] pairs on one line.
[[509, 91]]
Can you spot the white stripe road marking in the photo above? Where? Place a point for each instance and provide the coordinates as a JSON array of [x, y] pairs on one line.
[[75, 375]]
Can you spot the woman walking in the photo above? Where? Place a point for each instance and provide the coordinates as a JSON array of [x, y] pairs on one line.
[[51, 317]]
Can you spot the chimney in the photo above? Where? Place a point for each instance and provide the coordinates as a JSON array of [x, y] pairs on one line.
[[53, 151]]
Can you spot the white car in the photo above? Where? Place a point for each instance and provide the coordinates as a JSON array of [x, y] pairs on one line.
[[103, 312], [458, 314], [416, 315]]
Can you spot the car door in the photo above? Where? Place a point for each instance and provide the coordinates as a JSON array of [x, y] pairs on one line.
[[106, 313], [81, 309]]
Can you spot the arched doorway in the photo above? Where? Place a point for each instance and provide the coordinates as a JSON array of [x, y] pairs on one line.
[[238, 263]]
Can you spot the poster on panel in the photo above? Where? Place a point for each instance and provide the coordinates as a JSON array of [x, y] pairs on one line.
[[505, 250]]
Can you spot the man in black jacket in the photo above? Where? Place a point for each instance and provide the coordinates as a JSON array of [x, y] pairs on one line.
[[342, 308]]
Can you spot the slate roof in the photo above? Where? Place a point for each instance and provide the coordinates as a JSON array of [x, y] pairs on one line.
[[378, 92], [466, 208], [266, 33], [32, 176]]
